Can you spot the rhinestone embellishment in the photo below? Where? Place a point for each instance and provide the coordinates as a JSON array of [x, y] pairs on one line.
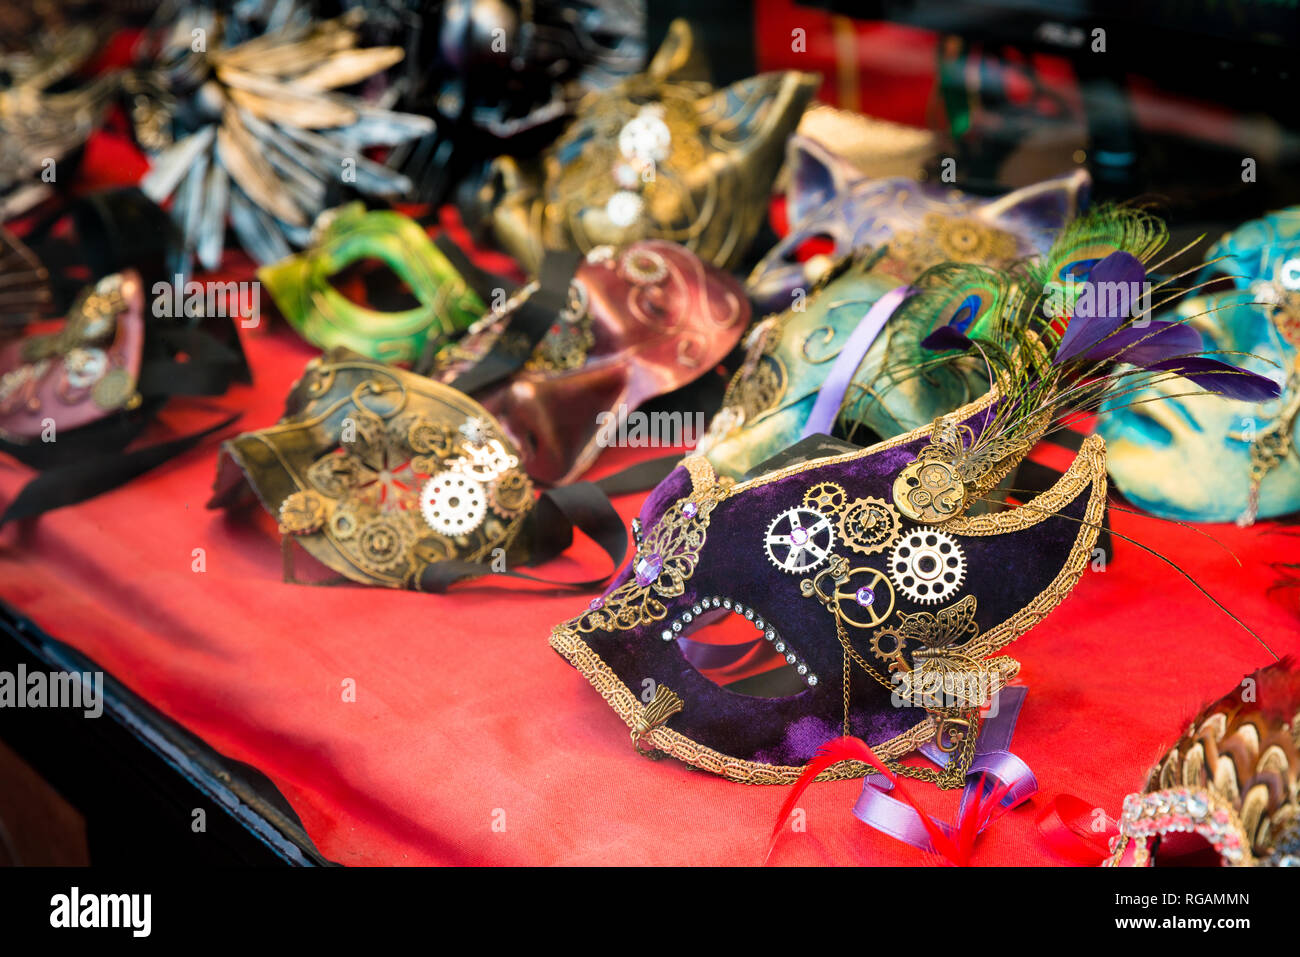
[[676, 628]]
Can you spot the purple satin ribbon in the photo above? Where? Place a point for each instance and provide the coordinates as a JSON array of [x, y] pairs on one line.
[[831, 395], [993, 764]]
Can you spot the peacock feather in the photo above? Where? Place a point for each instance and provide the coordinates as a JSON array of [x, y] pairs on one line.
[[1056, 335], [1092, 237]]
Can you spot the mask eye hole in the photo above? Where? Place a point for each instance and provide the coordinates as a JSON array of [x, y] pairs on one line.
[[372, 284], [818, 244], [737, 650], [1147, 430], [1181, 849]]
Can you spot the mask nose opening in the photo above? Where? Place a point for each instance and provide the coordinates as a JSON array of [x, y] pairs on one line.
[[810, 247]]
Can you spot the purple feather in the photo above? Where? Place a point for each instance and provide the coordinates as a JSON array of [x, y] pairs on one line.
[[1221, 378], [1154, 343], [1097, 312], [944, 338]]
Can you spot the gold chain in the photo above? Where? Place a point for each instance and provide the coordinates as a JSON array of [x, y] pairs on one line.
[[846, 674], [953, 774]]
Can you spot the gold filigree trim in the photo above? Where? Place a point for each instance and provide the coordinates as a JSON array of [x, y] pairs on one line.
[[1091, 461], [702, 475], [631, 710], [1083, 471]]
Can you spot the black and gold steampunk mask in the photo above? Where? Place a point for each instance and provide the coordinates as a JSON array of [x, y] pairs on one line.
[[379, 474]]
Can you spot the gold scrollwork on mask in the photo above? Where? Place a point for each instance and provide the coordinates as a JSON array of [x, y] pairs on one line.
[[827, 336], [665, 560]]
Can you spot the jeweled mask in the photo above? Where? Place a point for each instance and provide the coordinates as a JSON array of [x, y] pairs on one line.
[[378, 473], [325, 317], [661, 155], [1203, 458], [852, 618], [830, 200], [1225, 793], [790, 357], [85, 371], [640, 322]]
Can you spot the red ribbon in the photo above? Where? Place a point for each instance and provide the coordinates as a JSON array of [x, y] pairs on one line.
[[1068, 824]]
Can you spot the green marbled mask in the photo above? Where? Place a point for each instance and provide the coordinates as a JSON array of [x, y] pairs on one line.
[[301, 287]]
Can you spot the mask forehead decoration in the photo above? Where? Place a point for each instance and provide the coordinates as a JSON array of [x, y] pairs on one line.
[[250, 128], [1227, 787], [301, 287], [1197, 459], [83, 372], [831, 200], [818, 339], [661, 155], [881, 576], [640, 321], [378, 473]]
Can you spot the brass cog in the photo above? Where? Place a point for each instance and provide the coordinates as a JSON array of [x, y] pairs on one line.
[[892, 656], [383, 544], [826, 497], [302, 513], [870, 525], [511, 495]]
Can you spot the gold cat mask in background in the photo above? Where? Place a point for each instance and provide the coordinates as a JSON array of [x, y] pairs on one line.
[[662, 155]]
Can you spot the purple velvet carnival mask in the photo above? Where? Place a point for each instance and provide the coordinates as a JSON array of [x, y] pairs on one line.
[[882, 582], [884, 627]]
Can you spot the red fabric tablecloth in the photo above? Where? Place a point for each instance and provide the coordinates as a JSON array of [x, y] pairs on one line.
[[470, 741]]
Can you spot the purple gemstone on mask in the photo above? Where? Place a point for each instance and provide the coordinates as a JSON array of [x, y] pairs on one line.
[[865, 596], [690, 509], [648, 569], [596, 603]]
